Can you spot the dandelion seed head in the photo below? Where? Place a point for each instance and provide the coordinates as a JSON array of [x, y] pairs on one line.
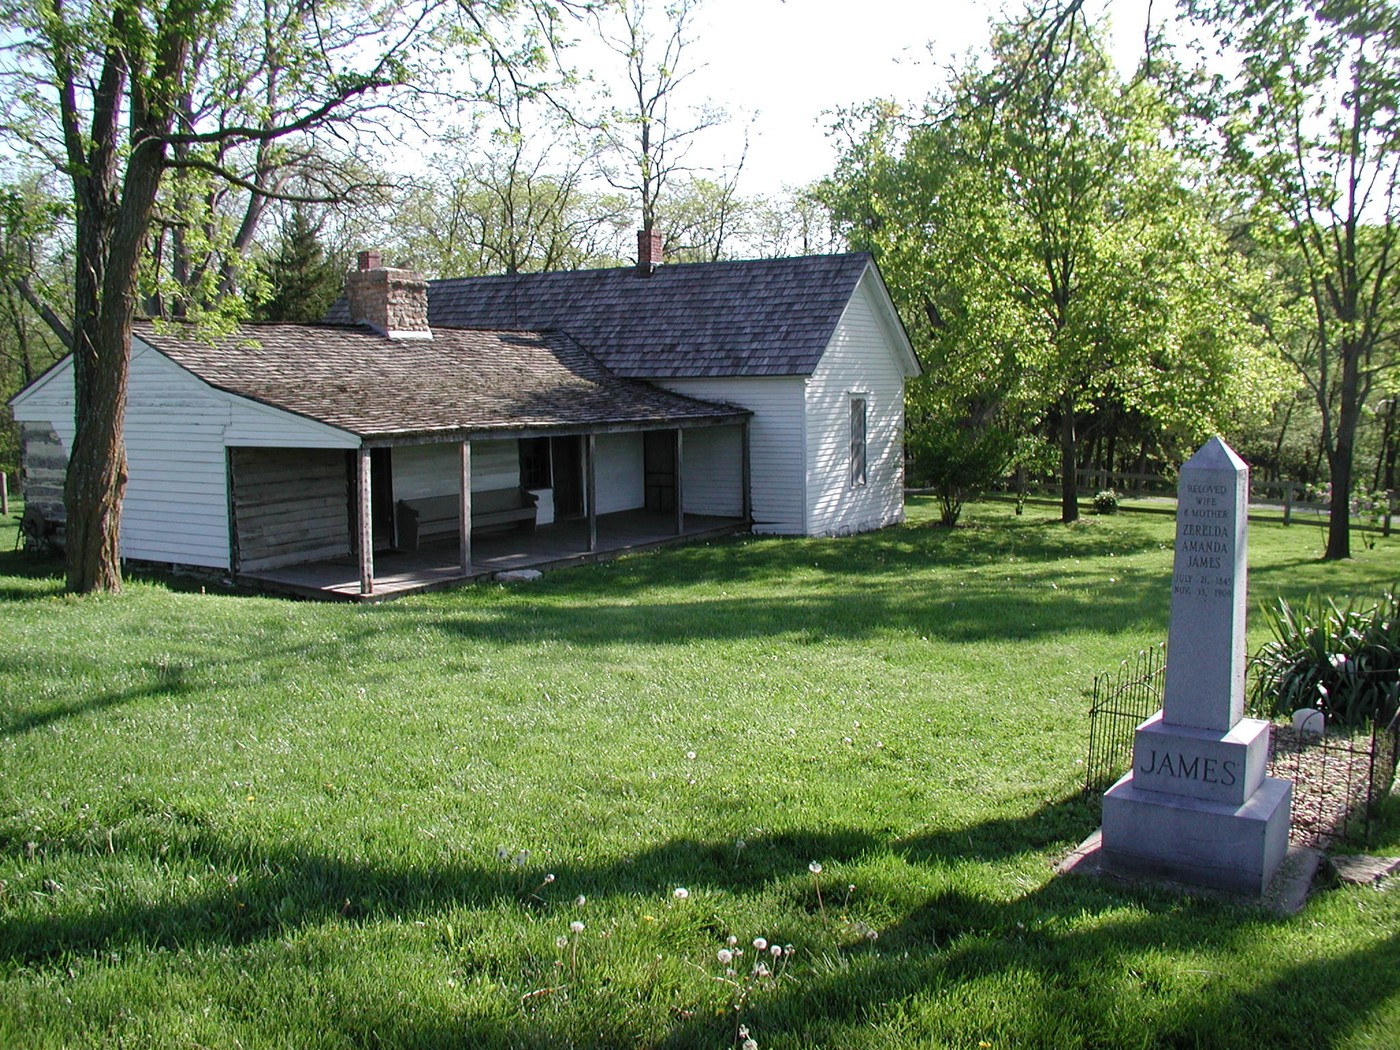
[[561, 941], [760, 943], [549, 878], [690, 755], [520, 858], [725, 956], [775, 950], [576, 926], [580, 900], [731, 940], [680, 893], [814, 868]]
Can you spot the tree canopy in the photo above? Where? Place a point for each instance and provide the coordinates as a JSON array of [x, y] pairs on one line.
[[1045, 244]]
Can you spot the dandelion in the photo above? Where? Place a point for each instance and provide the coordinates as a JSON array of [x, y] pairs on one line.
[[775, 950], [731, 940], [580, 900], [725, 956], [760, 943], [690, 755], [814, 868], [576, 927], [502, 854], [561, 941], [520, 858], [680, 893], [549, 878]]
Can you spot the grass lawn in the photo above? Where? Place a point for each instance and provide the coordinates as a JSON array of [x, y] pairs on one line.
[[231, 821]]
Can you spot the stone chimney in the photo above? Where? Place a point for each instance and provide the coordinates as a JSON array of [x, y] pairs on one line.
[[392, 302], [648, 251]]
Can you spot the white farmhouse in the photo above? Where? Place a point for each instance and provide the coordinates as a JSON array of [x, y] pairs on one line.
[[432, 433]]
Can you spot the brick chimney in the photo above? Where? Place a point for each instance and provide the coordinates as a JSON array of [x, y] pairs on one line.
[[393, 302], [648, 251]]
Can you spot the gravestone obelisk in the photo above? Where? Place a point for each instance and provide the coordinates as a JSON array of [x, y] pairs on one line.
[[1197, 806]]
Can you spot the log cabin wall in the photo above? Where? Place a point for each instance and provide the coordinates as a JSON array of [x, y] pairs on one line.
[[289, 506]]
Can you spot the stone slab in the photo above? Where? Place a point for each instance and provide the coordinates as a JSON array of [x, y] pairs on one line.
[[518, 575], [1201, 763], [1287, 892], [1204, 685], [1363, 870], [1195, 841]]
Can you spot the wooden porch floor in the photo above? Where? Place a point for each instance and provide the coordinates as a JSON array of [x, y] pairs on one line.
[[434, 566]]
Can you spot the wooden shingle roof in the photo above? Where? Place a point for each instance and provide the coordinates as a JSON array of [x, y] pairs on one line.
[[764, 317], [459, 382]]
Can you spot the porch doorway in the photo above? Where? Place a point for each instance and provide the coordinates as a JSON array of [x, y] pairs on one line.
[[659, 470], [566, 461]]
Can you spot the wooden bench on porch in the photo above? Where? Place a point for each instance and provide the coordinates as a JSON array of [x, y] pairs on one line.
[[426, 516]]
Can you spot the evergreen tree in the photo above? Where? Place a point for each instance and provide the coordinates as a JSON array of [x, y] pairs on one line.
[[302, 281]]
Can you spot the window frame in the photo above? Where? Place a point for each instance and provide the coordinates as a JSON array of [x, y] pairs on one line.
[[859, 416]]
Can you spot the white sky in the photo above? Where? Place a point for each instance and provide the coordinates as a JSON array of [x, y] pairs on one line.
[[789, 61]]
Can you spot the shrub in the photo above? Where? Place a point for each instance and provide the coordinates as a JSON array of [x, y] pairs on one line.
[[1106, 502], [1343, 661]]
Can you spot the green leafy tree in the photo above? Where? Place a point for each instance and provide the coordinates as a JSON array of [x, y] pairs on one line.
[[1306, 129], [1046, 249]]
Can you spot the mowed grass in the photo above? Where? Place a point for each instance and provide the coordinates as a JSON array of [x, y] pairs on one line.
[[233, 821]]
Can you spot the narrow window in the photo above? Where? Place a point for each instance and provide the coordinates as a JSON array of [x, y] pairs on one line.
[[857, 441]]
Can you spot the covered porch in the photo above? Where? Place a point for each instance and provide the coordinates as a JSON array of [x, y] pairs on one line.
[[437, 565]]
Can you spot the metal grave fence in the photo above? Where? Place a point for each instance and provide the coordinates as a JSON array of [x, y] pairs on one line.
[[1339, 777]]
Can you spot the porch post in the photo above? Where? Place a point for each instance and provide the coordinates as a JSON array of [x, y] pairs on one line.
[[590, 487], [680, 490], [745, 497], [365, 522], [464, 525]]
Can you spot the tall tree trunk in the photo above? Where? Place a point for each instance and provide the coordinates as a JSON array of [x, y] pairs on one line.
[[112, 228], [1341, 455], [1390, 442], [1069, 482]]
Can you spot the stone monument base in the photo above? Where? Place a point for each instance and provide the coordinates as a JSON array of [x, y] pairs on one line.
[[1204, 843]]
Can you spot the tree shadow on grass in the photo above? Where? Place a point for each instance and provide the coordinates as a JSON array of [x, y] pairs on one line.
[[44, 573], [1107, 982], [253, 892], [18, 722], [1101, 961]]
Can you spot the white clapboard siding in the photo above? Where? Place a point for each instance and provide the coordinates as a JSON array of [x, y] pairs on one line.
[[860, 361], [618, 472], [777, 456], [176, 433], [712, 470], [176, 504], [420, 471], [255, 425]]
